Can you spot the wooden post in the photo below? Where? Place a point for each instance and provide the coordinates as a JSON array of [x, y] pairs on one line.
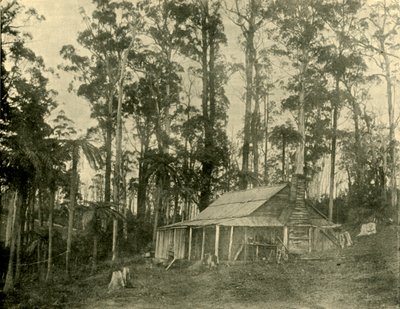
[[256, 252], [230, 244], [203, 241], [216, 239], [285, 237], [190, 243], [310, 239], [245, 243]]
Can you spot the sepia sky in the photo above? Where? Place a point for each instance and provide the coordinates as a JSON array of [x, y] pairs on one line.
[[60, 28]]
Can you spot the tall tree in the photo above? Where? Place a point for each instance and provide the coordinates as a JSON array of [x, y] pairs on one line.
[[300, 25], [108, 37], [379, 33], [340, 55], [248, 16], [211, 28]]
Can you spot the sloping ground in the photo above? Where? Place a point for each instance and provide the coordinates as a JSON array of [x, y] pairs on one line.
[[362, 276]]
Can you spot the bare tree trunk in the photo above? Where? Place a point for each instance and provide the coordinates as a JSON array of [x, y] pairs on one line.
[[156, 215], [10, 218], [208, 102], [108, 146], [266, 124], [301, 121], [392, 125], [357, 140], [335, 104], [176, 207], [10, 278], [385, 172], [249, 97], [71, 208], [18, 253], [283, 157], [40, 245], [50, 248], [118, 143], [94, 254], [256, 117], [125, 207]]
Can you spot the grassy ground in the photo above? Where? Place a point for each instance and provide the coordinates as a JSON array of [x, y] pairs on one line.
[[362, 276]]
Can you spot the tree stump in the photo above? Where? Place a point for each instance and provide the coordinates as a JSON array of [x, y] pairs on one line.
[[120, 279]]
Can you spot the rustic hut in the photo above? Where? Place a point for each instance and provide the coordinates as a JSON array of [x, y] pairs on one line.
[[250, 225]]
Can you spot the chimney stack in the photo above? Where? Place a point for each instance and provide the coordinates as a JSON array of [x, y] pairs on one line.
[[297, 189]]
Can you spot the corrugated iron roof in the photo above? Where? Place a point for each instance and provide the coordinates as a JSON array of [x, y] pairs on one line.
[[239, 203], [237, 209], [245, 221]]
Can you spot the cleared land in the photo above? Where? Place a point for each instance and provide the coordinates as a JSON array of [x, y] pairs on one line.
[[362, 276]]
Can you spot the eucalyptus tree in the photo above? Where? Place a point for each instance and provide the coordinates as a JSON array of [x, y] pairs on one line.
[[140, 105], [248, 15], [300, 26], [206, 36], [97, 76], [339, 56], [110, 37], [379, 36], [161, 67]]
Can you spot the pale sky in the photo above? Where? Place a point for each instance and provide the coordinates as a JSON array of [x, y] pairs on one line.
[[61, 26]]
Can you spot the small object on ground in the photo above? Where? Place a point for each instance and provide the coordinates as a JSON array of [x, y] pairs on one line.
[[281, 254], [170, 264], [210, 260], [345, 239], [368, 229], [238, 252]]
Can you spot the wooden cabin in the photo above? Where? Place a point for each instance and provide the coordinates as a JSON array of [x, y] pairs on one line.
[[250, 225]]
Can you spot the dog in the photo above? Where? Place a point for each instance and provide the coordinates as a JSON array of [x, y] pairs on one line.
[[210, 260]]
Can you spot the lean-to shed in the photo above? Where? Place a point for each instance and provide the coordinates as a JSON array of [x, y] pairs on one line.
[[249, 225]]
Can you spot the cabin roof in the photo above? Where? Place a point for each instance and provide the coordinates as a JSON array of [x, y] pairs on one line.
[[238, 208], [238, 204]]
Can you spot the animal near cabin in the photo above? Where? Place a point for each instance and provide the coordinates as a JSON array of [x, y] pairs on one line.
[[250, 224]]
